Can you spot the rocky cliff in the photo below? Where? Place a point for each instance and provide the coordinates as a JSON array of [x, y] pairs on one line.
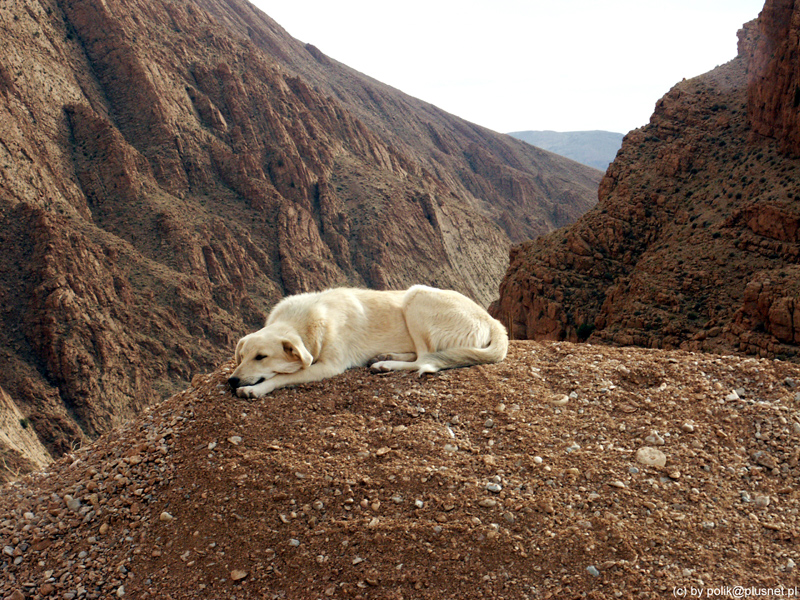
[[695, 241], [168, 170]]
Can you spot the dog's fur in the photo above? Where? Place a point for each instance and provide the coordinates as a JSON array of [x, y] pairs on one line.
[[314, 336]]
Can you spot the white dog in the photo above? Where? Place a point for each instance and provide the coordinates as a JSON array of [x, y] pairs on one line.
[[313, 336]]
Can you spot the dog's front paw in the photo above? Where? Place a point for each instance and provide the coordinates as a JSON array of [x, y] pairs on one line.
[[254, 391]]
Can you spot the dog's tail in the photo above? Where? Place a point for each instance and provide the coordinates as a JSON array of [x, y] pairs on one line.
[[465, 357]]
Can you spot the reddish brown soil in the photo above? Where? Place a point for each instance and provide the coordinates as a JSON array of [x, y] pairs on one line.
[[377, 486]]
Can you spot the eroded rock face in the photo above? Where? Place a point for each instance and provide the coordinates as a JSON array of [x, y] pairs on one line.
[[695, 241], [773, 93], [169, 170]]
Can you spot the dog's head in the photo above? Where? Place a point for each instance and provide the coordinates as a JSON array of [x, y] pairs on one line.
[[265, 353]]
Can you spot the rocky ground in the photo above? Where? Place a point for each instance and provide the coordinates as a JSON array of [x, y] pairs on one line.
[[566, 471]]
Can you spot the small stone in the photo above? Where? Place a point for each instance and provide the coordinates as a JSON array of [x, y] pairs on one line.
[[592, 570], [212, 445], [235, 440], [121, 591], [617, 484], [488, 503], [538, 460], [166, 517], [790, 565], [495, 488], [764, 459], [383, 451], [762, 501], [655, 439], [560, 400], [294, 542], [238, 575], [72, 503], [688, 427], [488, 424], [652, 457], [9, 550], [419, 503], [733, 396]]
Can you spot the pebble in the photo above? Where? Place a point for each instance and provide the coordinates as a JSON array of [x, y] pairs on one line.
[[238, 575], [72, 503], [762, 501], [560, 401], [235, 440], [688, 427], [617, 484], [538, 460], [655, 439], [592, 570], [488, 503], [495, 488], [165, 517], [652, 457]]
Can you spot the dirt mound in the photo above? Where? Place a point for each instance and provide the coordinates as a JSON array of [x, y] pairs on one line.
[[526, 479]]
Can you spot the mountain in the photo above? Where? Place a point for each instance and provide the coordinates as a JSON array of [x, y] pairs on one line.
[[695, 240], [567, 471], [593, 148], [169, 170]]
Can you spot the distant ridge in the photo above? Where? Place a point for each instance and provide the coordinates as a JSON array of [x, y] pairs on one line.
[[592, 148]]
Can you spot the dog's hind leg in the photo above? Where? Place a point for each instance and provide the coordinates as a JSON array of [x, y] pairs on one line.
[[397, 356], [409, 361]]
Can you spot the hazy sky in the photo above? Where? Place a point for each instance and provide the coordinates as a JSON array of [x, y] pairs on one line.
[[513, 65]]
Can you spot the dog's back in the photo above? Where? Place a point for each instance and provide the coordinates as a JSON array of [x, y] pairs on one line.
[[347, 325]]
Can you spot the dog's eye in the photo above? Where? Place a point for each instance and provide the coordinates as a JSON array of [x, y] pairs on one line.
[[261, 356]]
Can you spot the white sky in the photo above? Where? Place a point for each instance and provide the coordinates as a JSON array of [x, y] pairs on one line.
[[514, 65]]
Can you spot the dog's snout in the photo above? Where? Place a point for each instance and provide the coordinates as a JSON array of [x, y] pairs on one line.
[[233, 382]]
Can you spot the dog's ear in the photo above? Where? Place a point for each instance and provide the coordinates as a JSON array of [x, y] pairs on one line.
[[238, 354], [295, 348]]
